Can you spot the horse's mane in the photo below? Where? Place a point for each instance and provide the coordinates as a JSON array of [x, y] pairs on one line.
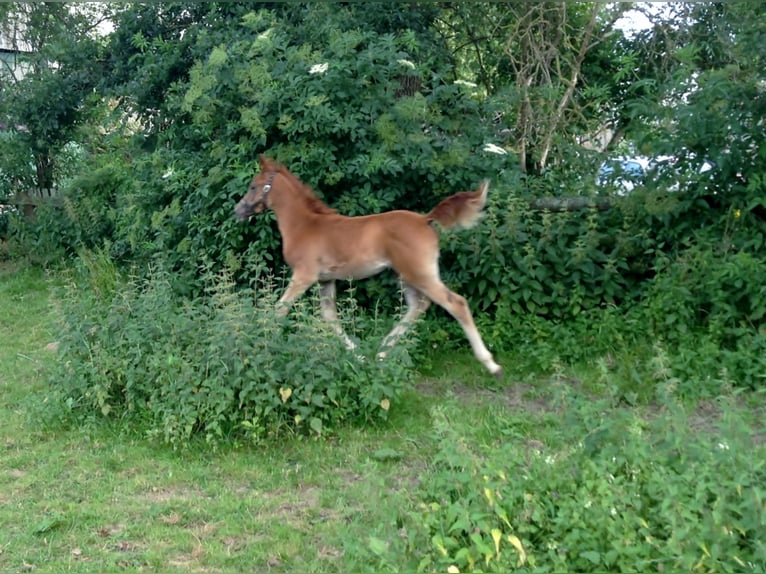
[[312, 201]]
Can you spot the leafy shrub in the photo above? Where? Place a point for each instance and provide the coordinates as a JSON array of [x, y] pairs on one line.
[[91, 201], [17, 167], [221, 365], [81, 215], [551, 264], [327, 100], [538, 343], [7, 217], [43, 241], [625, 495], [701, 289], [709, 309]]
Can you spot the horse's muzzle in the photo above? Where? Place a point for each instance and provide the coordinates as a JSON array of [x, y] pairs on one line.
[[242, 212]]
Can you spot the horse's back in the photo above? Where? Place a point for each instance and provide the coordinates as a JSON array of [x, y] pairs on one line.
[[399, 224], [364, 245], [402, 227]]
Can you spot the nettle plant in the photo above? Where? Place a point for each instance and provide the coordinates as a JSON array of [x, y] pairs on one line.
[[221, 365], [624, 495], [532, 270], [707, 306]]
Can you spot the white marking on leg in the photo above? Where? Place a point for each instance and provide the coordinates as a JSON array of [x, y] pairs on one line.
[[457, 306], [330, 312], [480, 351], [417, 304]]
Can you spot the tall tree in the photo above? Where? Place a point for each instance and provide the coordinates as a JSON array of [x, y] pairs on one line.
[[43, 107], [537, 56]]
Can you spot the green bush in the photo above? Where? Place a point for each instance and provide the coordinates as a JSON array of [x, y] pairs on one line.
[[221, 365], [17, 166], [82, 214], [625, 494], [327, 100], [42, 241], [709, 309]]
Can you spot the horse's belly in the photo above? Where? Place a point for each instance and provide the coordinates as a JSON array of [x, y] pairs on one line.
[[353, 270]]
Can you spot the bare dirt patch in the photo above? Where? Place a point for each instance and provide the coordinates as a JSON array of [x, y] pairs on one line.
[[705, 417], [181, 494], [305, 499], [516, 396]]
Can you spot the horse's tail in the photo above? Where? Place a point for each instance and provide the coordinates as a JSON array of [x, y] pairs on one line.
[[462, 209]]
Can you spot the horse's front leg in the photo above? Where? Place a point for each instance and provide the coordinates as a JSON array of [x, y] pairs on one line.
[[297, 287], [330, 313], [417, 304]]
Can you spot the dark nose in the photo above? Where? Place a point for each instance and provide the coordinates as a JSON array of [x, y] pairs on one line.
[[240, 212]]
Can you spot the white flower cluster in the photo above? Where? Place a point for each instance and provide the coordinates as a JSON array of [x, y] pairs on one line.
[[492, 148], [318, 68]]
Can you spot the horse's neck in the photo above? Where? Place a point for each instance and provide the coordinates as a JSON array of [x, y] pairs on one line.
[[291, 211]]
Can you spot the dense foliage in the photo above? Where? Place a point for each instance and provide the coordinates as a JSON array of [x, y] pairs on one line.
[[386, 105], [45, 103], [222, 365], [152, 131], [627, 494]]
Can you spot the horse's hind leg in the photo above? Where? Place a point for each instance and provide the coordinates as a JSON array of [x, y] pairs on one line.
[[330, 313], [458, 308], [417, 304]]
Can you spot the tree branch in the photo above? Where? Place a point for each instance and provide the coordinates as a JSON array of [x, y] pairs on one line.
[[569, 203], [571, 84]]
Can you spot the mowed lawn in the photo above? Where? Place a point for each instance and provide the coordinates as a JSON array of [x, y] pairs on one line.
[[100, 499]]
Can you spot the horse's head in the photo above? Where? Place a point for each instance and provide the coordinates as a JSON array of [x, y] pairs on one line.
[[257, 200]]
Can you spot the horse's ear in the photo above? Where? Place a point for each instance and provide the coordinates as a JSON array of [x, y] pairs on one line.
[[268, 164]]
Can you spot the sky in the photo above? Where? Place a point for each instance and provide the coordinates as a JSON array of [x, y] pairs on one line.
[[635, 21]]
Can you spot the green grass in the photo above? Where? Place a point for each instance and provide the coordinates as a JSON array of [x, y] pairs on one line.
[[99, 499]]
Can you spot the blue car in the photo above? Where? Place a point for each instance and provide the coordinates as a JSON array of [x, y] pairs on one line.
[[622, 175]]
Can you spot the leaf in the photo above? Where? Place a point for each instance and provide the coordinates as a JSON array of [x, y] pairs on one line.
[[497, 535], [48, 524], [285, 393], [378, 546], [316, 425], [503, 516], [424, 563], [591, 556], [385, 404], [452, 569], [438, 541], [514, 540]]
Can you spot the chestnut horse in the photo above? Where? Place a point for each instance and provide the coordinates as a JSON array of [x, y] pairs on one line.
[[321, 246]]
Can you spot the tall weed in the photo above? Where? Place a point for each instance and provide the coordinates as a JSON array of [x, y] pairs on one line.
[[709, 310], [620, 493], [221, 365]]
